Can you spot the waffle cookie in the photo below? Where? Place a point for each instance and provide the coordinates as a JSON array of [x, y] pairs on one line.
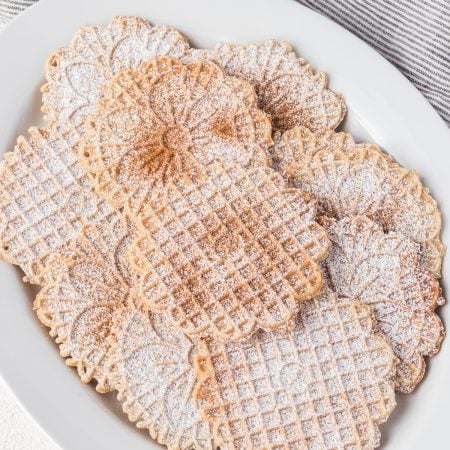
[[83, 292], [288, 90], [383, 270], [154, 375], [93, 313], [224, 246], [287, 87], [234, 287], [44, 198], [326, 384], [351, 179], [75, 74]]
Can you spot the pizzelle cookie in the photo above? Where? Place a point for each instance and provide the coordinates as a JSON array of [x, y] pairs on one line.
[[154, 375], [383, 270], [224, 246], [351, 179], [191, 220], [326, 384], [287, 87], [93, 313], [75, 74], [85, 289], [44, 198]]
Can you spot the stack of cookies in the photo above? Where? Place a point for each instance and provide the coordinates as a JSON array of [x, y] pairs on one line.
[[242, 275]]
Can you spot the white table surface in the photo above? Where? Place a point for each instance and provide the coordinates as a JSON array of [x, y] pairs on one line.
[[17, 430]]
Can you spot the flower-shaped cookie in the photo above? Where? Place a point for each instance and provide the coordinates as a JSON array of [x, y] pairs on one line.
[[85, 289], [75, 74], [162, 121], [326, 384], [350, 179], [383, 270], [224, 246], [287, 87], [94, 314], [154, 375]]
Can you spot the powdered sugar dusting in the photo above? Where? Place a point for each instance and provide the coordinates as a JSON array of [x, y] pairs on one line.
[[93, 313], [75, 74], [223, 245], [383, 270], [350, 179], [326, 384], [217, 244], [229, 282], [45, 197], [83, 294], [288, 89], [154, 376]]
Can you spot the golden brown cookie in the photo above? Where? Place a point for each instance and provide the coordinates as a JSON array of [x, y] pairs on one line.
[[350, 179], [325, 384], [94, 314], [224, 245], [288, 89]]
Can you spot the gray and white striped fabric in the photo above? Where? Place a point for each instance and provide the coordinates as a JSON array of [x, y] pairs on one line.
[[413, 34], [9, 8]]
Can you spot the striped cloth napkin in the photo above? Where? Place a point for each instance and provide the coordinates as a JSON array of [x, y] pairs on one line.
[[414, 35]]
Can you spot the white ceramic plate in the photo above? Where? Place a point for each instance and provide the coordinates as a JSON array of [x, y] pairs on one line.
[[383, 107]]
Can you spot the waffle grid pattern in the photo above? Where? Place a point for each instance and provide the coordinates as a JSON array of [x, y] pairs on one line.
[[44, 197], [269, 263], [337, 393], [159, 161]]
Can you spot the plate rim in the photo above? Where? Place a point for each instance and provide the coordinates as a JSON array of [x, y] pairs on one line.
[[422, 112]]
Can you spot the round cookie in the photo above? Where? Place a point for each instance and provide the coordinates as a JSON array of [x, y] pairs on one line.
[[359, 179]]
